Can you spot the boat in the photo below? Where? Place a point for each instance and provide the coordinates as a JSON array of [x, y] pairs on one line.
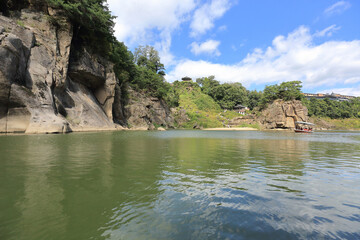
[[303, 127]]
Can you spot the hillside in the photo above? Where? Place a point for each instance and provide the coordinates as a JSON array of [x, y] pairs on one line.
[[200, 109], [326, 123]]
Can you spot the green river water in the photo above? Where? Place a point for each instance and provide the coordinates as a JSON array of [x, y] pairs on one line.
[[180, 185]]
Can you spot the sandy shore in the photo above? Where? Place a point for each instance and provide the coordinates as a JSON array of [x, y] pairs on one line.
[[231, 129]]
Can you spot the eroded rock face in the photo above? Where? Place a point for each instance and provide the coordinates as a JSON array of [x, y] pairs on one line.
[[98, 76], [32, 58], [87, 70], [81, 109], [36, 95], [144, 112], [282, 114], [46, 88]]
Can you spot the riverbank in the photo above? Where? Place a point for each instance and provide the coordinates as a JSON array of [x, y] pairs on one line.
[[232, 129], [347, 124]]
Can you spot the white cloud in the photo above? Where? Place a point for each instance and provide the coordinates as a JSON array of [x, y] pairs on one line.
[[327, 31], [222, 28], [209, 47], [205, 16], [337, 8], [136, 20], [153, 22], [150, 22], [292, 57]]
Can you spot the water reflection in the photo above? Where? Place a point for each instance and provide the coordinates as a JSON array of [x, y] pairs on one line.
[[180, 185]]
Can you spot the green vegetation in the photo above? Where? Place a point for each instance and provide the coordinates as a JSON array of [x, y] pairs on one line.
[[201, 109], [150, 73], [337, 124], [254, 98], [147, 56], [20, 23], [348, 123], [333, 109], [287, 91], [227, 95]]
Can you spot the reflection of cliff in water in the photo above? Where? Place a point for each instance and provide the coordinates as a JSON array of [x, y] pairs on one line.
[[72, 182]]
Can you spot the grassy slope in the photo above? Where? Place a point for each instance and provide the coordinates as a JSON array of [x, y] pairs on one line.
[[201, 109], [337, 124]]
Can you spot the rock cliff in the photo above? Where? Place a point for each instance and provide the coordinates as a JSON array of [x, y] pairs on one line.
[[283, 115], [147, 112], [278, 115], [46, 88]]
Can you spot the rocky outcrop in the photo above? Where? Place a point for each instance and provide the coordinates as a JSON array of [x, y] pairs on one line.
[[49, 86], [39, 92], [32, 60], [87, 100], [87, 69], [180, 116], [145, 112], [283, 115]]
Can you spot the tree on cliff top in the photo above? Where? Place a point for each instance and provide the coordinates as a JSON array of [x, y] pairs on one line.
[[150, 75], [147, 56], [286, 90]]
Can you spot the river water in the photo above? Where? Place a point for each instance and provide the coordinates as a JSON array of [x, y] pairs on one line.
[[180, 185]]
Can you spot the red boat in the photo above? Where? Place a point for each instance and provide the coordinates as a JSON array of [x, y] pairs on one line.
[[303, 127]]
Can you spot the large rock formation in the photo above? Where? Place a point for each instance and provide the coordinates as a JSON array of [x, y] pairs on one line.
[[283, 115], [33, 61], [49, 86], [278, 115], [144, 112], [87, 99]]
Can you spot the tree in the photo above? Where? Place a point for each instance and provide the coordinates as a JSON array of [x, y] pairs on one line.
[[253, 99], [332, 108], [124, 67], [208, 84], [290, 90], [227, 95], [286, 91], [147, 56]]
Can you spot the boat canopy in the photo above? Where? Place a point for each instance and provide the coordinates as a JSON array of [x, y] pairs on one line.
[[305, 123]]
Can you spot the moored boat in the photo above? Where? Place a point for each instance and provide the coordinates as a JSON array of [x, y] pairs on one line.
[[303, 127]]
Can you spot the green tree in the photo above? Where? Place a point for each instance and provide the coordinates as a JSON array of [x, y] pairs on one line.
[[124, 67], [208, 84], [332, 108], [254, 98], [147, 56], [227, 95], [290, 90], [286, 91]]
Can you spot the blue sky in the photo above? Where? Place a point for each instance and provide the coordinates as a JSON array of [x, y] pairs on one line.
[[257, 42]]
